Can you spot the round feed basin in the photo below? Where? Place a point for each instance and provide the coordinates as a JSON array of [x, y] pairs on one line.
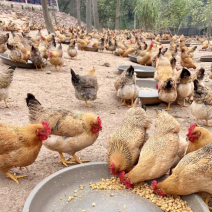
[[148, 93], [91, 49], [6, 60], [67, 41], [133, 58], [141, 71], [207, 58], [52, 193], [165, 41]]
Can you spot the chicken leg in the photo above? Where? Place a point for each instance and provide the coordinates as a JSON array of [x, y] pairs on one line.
[[168, 108], [197, 123], [63, 161], [207, 200], [124, 103], [6, 105], [14, 177], [184, 105], [207, 124], [78, 160], [87, 105], [131, 103]]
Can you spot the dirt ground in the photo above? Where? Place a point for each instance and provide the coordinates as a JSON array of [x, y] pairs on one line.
[[56, 91]]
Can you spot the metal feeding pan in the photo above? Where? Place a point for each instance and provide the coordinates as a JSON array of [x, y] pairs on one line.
[[207, 58], [67, 41], [187, 44], [141, 71], [91, 49], [6, 60], [53, 192], [165, 41], [148, 94], [133, 58]]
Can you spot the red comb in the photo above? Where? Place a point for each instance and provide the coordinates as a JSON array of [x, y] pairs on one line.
[[156, 86], [121, 176], [99, 121], [154, 184], [191, 128], [46, 125]]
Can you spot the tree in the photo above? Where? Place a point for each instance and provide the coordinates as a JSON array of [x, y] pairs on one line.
[[88, 16], [117, 14], [95, 14], [47, 18], [78, 12]]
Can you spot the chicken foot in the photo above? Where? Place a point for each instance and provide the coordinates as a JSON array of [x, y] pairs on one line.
[[6, 105], [184, 105], [207, 124], [168, 108], [14, 177], [87, 105], [207, 200], [63, 161], [26, 167], [197, 123], [124, 103], [132, 100], [78, 160]]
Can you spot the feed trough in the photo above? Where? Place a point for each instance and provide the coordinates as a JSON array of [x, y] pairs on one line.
[[53, 192], [6, 60], [207, 58], [133, 58], [67, 41], [91, 49], [165, 41], [148, 94], [141, 71]]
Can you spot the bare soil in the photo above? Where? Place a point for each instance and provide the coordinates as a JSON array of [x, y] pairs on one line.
[[55, 90]]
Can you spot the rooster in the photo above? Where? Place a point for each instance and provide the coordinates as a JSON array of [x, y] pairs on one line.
[[72, 131]]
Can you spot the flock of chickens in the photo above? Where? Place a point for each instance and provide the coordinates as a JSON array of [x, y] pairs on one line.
[[132, 154]]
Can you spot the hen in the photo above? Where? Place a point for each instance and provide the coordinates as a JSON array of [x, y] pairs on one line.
[[36, 58], [186, 61], [19, 146], [160, 152], [72, 52], [201, 107], [125, 143], [72, 131], [86, 87], [5, 82], [126, 87], [4, 38]]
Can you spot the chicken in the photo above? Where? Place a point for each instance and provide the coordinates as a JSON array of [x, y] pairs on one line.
[[43, 50], [5, 82], [36, 58], [205, 44], [125, 142], [112, 47], [86, 87], [159, 153], [128, 51], [82, 44], [15, 54], [184, 85], [163, 68], [192, 174], [56, 57], [186, 61], [198, 137], [201, 107], [167, 91], [144, 57], [72, 131], [101, 45], [3, 48], [4, 38], [126, 87], [72, 52]]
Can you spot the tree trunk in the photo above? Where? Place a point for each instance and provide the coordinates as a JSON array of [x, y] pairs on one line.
[[78, 12], [117, 14], [88, 16], [134, 20], [53, 12], [47, 18], [95, 14]]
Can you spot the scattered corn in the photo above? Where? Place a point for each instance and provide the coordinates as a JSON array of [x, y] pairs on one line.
[[93, 204], [70, 198]]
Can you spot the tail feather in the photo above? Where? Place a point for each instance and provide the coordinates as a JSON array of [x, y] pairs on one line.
[[75, 78]]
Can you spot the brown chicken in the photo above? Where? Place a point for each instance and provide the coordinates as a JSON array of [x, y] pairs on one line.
[[72, 131], [4, 38], [3, 48], [201, 107], [56, 57], [43, 50], [36, 58], [72, 52], [192, 174], [163, 68], [205, 44], [126, 141], [5, 82], [82, 44], [186, 61], [19, 146], [167, 91], [159, 153], [86, 87]]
